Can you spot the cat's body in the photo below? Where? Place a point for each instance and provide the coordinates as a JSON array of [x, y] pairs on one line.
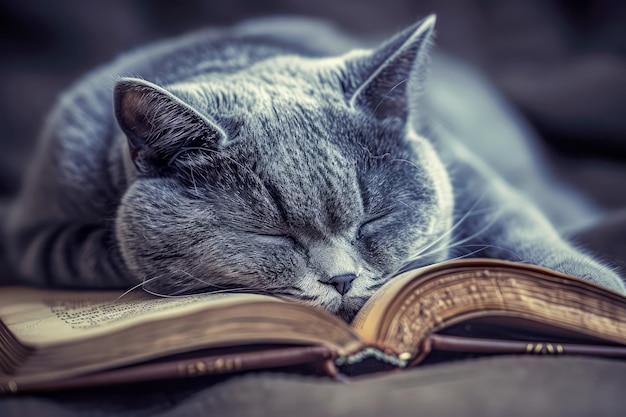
[[259, 159]]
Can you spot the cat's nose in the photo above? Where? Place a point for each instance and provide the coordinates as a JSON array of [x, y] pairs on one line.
[[342, 283]]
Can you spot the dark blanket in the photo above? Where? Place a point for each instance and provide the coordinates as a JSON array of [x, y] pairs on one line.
[[562, 63], [505, 386]]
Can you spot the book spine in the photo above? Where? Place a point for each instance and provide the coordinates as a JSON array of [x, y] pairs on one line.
[[369, 359], [494, 346], [188, 368]]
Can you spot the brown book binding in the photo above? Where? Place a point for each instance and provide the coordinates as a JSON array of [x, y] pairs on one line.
[[301, 355], [187, 368], [448, 343]]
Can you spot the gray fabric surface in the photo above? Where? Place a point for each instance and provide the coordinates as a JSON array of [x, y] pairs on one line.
[[504, 386]]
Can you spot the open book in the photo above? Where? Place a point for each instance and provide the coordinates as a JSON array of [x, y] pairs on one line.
[[65, 339]]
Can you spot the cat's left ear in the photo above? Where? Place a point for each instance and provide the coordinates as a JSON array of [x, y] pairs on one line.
[[384, 82], [158, 125]]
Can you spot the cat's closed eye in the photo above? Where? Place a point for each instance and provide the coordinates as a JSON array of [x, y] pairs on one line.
[[370, 225]]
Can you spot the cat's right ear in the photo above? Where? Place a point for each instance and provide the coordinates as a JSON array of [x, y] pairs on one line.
[[158, 125]]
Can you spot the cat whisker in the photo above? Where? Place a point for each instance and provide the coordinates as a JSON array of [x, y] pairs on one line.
[[231, 291], [440, 244], [184, 149], [131, 289], [441, 122], [460, 242], [195, 278], [468, 255], [156, 294], [372, 156], [221, 291], [293, 292], [481, 247], [491, 246], [285, 293], [470, 212], [193, 180], [179, 282], [376, 286], [411, 265], [386, 96], [413, 164]]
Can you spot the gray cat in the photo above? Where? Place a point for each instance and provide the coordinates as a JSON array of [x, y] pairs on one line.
[[265, 158]]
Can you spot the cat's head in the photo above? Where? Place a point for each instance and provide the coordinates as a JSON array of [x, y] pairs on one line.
[[297, 177]]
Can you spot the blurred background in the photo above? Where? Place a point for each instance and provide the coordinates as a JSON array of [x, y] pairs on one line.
[[562, 63]]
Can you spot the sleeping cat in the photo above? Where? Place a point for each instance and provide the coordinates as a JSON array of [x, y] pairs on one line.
[[265, 158]]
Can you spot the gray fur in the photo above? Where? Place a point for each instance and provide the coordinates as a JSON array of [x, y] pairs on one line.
[[255, 159]]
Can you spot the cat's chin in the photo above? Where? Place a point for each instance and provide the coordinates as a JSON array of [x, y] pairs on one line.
[[347, 312], [346, 308]]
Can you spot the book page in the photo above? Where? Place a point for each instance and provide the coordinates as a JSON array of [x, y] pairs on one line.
[[38, 317], [421, 301], [369, 319]]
